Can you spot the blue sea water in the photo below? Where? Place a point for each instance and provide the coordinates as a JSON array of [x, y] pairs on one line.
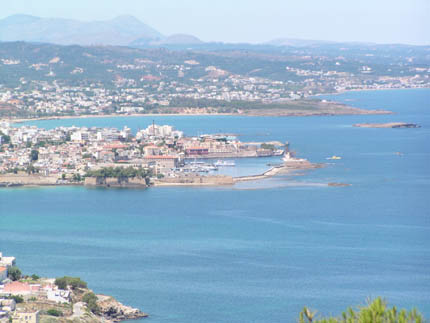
[[256, 252]]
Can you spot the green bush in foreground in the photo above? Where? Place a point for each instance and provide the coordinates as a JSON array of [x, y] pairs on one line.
[[376, 311]]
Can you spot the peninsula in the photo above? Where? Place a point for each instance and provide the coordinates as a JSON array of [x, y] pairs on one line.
[[109, 157], [65, 299]]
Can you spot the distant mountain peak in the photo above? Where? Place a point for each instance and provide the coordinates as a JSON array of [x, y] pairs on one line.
[[182, 39], [121, 30], [20, 18]]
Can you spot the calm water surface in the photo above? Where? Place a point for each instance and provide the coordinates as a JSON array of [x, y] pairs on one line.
[[257, 252]]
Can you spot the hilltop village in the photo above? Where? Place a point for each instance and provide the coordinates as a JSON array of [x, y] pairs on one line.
[[157, 155], [32, 299]]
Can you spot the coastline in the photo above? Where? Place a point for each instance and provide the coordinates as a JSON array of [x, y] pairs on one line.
[[353, 111], [29, 181], [370, 90], [330, 108], [251, 113], [91, 116]]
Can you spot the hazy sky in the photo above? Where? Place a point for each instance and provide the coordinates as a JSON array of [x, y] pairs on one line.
[[382, 21]]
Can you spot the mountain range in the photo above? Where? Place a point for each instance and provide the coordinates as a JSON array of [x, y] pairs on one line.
[[127, 30], [122, 31]]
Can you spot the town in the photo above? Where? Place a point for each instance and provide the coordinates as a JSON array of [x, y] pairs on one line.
[[157, 154], [33, 299], [101, 81]]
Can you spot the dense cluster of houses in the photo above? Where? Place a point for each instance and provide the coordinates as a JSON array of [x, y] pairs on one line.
[[43, 290], [70, 151]]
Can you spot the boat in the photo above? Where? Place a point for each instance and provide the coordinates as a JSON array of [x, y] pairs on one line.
[[210, 167], [200, 167], [224, 163], [198, 163], [334, 157]]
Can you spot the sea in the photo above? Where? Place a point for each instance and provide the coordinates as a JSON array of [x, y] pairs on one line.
[[258, 251]]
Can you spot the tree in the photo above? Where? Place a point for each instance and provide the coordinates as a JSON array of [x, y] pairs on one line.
[[61, 283], [31, 169], [73, 282], [14, 273], [375, 311], [267, 146], [34, 155], [119, 172]]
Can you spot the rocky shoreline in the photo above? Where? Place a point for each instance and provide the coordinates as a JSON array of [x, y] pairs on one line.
[[65, 299], [113, 311]]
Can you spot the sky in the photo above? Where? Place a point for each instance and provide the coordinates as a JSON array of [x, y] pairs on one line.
[[254, 21]]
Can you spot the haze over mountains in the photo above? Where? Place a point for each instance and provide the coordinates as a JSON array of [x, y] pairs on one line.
[[122, 30]]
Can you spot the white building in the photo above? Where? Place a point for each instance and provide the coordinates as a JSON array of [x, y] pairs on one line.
[[58, 296], [7, 261], [165, 131]]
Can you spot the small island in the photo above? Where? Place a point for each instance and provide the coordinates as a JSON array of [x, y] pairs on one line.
[[64, 299], [387, 125]]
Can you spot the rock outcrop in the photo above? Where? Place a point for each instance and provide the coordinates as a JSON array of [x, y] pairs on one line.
[[114, 311]]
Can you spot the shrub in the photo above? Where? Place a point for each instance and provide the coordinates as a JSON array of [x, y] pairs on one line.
[[73, 282], [91, 299], [54, 312], [61, 283]]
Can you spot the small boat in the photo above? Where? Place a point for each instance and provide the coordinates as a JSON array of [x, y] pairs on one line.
[[210, 167], [334, 157], [224, 163], [198, 163]]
